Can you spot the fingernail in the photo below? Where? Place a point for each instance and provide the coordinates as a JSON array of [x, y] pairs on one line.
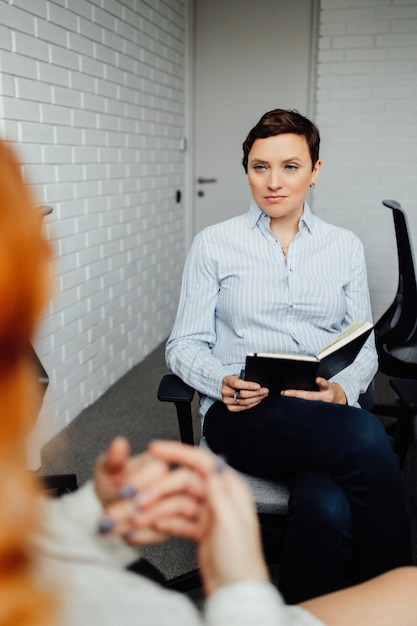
[[105, 525], [221, 464], [127, 491]]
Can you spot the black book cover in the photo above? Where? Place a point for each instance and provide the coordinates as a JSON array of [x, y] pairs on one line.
[[280, 373]]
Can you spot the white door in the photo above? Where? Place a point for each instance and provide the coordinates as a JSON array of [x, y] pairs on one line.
[[249, 57]]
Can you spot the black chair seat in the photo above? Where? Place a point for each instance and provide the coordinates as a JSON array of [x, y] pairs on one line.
[[400, 360]]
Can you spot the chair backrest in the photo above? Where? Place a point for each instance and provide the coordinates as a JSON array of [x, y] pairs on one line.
[[399, 321]]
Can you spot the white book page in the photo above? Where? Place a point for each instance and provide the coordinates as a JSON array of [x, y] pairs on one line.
[[282, 355], [357, 328]]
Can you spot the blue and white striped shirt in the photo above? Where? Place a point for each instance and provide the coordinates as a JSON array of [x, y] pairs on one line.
[[239, 295]]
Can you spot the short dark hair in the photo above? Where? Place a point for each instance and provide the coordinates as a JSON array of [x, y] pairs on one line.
[[278, 122]]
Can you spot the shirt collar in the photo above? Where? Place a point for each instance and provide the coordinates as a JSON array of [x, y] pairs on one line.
[[255, 215]]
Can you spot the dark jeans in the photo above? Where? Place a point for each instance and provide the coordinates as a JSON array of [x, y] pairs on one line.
[[345, 482]]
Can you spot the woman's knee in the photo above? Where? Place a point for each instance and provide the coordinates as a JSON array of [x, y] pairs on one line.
[[318, 501], [363, 437]]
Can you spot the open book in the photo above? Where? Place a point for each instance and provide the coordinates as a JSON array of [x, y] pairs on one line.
[[299, 371]]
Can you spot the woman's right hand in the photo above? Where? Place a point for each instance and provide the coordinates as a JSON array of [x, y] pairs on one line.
[[240, 395], [223, 521], [201, 499]]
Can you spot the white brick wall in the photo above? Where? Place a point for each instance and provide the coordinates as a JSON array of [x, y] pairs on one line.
[[92, 93], [367, 114]]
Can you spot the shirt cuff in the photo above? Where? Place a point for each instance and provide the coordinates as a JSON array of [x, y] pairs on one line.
[[351, 391], [83, 508]]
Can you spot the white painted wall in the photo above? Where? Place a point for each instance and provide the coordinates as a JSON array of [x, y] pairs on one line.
[[93, 97], [367, 113]]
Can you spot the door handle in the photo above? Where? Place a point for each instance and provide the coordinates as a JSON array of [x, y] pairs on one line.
[[202, 181]]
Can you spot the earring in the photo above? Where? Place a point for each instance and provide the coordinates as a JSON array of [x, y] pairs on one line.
[[312, 185]]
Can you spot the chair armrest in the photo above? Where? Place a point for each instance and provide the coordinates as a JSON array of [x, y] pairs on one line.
[[367, 399], [173, 389]]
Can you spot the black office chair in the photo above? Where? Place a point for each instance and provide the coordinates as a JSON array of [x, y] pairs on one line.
[[396, 330], [55, 484], [396, 335], [270, 496]]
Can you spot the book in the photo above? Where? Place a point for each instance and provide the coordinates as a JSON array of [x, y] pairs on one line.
[[299, 371]]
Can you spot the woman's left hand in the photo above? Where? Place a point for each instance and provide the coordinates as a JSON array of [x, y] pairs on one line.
[[117, 474], [120, 480], [327, 392]]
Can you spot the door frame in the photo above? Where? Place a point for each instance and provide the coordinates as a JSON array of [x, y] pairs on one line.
[[189, 124]]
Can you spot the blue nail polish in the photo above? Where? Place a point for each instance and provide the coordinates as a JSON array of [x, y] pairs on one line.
[[105, 525], [127, 491]]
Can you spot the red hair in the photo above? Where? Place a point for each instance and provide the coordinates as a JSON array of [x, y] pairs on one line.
[[24, 256]]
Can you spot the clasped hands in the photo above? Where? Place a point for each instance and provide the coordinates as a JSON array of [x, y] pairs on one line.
[[240, 395], [177, 490]]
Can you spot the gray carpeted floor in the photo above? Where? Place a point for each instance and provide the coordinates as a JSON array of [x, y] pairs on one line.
[[131, 408]]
